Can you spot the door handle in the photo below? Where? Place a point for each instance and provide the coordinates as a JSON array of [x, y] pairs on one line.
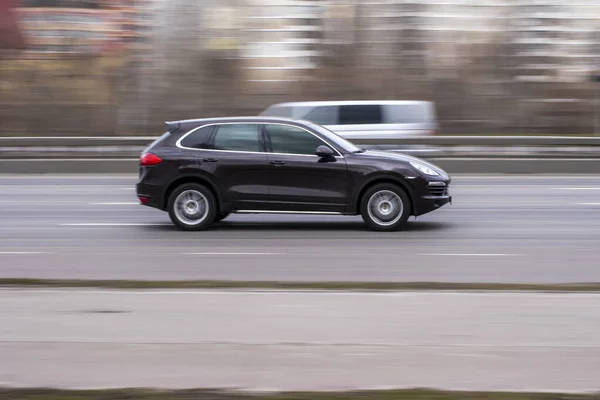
[[211, 160], [277, 162]]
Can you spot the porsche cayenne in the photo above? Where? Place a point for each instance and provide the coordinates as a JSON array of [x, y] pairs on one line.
[[202, 170]]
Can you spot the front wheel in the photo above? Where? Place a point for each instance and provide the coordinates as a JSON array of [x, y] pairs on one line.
[[385, 207], [192, 207]]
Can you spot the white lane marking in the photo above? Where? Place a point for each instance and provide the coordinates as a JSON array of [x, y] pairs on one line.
[[230, 254], [23, 252], [576, 188], [469, 254], [588, 204], [111, 224], [115, 203], [127, 188]]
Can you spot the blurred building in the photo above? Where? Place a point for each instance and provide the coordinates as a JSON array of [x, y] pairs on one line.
[[556, 52], [94, 27], [10, 32], [556, 40], [283, 40], [490, 65]]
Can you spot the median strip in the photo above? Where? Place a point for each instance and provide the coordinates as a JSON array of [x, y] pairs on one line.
[[21, 252], [198, 394], [277, 285]]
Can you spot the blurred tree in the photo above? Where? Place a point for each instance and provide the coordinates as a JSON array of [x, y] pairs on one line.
[[11, 37]]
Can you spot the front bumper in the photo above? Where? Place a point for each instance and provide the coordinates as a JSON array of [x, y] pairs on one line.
[[428, 204], [434, 194]]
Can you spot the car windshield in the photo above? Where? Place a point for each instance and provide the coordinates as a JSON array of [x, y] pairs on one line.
[[340, 142]]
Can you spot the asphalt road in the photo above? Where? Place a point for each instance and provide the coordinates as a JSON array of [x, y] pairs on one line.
[[299, 340], [528, 229]]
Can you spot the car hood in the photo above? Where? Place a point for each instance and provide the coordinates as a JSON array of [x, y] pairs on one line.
[[399, 157]]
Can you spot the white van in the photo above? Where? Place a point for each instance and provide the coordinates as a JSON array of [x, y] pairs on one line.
[[364, 119]]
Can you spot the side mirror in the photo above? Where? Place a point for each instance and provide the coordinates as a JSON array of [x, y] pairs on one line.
[[324, 152]]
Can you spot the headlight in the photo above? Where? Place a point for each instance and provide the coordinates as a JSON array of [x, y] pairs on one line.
[[424, 169]]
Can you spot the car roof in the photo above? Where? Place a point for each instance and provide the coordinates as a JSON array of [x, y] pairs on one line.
[[236, 119], [186, 123], [352, 103]]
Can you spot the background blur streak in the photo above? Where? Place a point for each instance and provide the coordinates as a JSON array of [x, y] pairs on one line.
[[104, 67]]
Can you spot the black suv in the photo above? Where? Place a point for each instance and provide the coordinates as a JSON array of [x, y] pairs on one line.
[[202, 170]]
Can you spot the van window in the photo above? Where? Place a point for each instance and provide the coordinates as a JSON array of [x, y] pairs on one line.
[[360, 115], [278, 111], [322, 115], [409, 114]]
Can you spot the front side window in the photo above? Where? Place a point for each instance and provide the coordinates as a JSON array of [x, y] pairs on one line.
[[237, 137], [360, 115], [287, 139]]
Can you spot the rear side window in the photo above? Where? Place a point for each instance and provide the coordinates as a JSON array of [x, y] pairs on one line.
[[237, 137], [360, 115], [287, 139], [198, 139]]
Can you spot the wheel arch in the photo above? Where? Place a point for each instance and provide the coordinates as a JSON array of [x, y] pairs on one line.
[[376, 181], [191, 178]]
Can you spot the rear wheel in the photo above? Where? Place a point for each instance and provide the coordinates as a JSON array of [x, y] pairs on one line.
[[385, 207], [192, 207]]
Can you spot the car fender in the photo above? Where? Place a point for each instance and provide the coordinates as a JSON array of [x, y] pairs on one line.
[[381, 176], [194, 175]]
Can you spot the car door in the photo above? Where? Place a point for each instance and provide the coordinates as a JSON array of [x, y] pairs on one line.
[[298, 179], [235, 155]]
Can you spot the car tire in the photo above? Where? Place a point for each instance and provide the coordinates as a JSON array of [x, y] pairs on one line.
[[192, 207], [385, 207], [221, 217]]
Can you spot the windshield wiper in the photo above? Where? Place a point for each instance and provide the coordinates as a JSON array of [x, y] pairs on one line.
[[359, 151]]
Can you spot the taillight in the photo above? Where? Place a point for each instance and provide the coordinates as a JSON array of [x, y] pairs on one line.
[[148, 159]]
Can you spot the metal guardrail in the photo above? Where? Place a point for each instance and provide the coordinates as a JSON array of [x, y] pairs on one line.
[[456, 154], [429, 147], [506, 141], [75, 141]]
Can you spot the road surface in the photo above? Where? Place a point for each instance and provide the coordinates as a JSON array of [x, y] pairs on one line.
[[299, 340], [511, 229]]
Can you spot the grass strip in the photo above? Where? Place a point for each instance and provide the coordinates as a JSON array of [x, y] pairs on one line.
[[275, 285], [148, 394]]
